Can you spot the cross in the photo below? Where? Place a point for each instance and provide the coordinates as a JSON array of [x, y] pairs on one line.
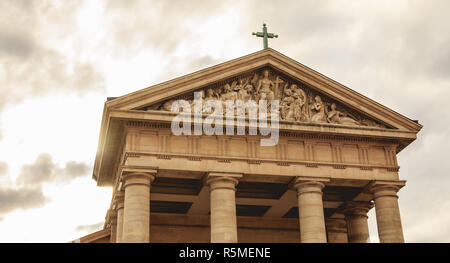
[[265, 36]]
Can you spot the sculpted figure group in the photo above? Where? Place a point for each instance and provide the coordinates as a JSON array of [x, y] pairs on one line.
[[296, 104]]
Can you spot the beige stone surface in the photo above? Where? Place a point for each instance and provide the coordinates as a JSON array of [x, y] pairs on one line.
[[223, 208], [356, 218], [387, 211], [310, 205], [136, 216], [172, 228], [120, 198], [336, 229], [113, 226]]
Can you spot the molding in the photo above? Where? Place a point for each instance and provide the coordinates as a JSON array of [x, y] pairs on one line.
[[312, 164], [224, 174]]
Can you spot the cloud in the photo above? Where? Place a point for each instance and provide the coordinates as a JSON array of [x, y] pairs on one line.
[[20, 198], [202, 62], [16, 44], [3, 169], [44, 170], [140, 24], [90, 228], [29, 193], [29, 65]]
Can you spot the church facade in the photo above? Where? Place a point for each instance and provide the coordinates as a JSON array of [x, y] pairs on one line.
[[334, 159]]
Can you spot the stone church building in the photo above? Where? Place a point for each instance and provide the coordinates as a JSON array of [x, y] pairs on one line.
[[334, 161]]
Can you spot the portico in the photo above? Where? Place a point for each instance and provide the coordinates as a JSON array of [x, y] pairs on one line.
[[334, 161]]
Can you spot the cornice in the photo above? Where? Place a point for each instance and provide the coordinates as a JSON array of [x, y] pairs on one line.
[[253, 161]]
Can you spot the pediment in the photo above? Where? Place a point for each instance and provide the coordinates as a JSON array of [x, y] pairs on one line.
[[298, 102], [305, 96]]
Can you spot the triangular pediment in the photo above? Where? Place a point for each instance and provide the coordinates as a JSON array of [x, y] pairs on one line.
[[298, 102], [305, 96]]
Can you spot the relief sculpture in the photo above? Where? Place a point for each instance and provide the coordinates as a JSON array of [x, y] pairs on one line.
[[298, 102]]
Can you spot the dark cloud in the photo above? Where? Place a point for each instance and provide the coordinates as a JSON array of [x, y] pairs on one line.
[[15, 44], [75, 169], [90, 228], [20, 198], [29, 66], [44, 170]]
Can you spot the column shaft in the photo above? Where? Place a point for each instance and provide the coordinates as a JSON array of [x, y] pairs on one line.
[[388, 213], [119, 208], [356, 218], [119, 231], [113, 225], [223, 209], [310, 206], [336, 230], [136, 214]]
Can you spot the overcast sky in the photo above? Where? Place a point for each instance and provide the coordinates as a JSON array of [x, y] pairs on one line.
[[59, 60]]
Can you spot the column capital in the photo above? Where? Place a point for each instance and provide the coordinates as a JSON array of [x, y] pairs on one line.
[[381, 188], [222, 180], [145, 178], [357, 209], [310, 184]]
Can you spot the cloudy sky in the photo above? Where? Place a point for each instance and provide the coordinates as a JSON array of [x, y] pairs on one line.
[[59, 60]]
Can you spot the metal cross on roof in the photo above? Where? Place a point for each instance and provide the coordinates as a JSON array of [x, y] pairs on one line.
[[265, 36]]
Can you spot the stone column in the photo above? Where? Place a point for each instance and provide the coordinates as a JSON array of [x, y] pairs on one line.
[[120, 197], [336, 229], [136, 212], [387, 210], [356, 217], [223, 207], [310, 209], [113, 225]]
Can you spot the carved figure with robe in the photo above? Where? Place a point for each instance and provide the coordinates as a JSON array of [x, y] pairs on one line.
[[335, 116], [300, 103], [265, 88], [287, 105], [319, 110], [245, 90]]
